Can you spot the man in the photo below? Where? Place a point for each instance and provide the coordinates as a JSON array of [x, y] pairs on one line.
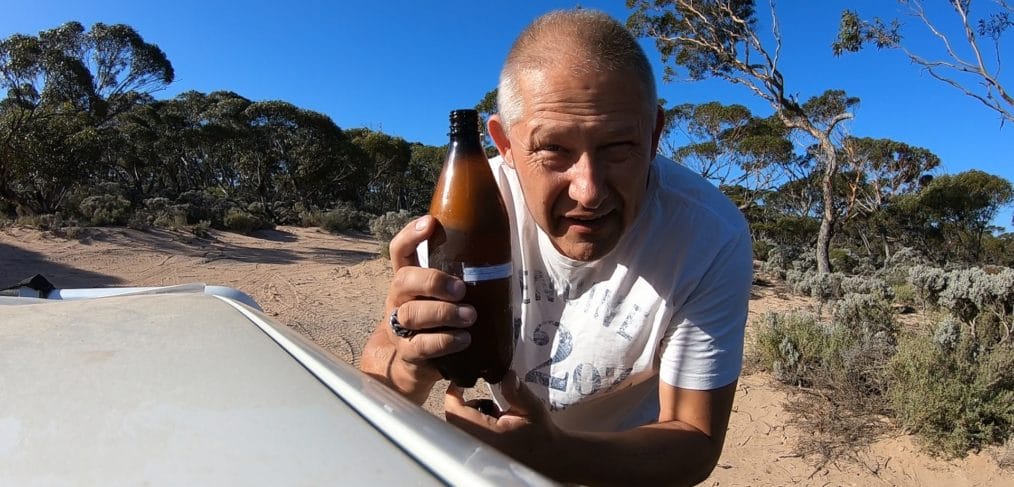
[[634, 275]]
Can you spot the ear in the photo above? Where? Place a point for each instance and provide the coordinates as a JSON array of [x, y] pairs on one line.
[[657, 133], [500, 138]]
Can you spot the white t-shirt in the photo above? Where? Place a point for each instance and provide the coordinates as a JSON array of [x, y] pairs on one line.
[[668, 302]]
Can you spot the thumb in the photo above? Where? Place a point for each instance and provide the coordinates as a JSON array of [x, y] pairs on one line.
[[520, 398]]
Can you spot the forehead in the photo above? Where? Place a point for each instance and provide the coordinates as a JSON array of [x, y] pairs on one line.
[[563, 100]]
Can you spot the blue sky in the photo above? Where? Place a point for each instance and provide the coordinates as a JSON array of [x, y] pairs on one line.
[[399, 66]]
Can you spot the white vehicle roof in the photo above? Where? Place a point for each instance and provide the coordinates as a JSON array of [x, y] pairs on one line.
[[193, 389]]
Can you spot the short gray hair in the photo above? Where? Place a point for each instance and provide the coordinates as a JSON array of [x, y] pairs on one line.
[[593, 39]]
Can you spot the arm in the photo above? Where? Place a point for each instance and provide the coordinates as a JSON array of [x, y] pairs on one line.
[[682, 448], [425, 300]]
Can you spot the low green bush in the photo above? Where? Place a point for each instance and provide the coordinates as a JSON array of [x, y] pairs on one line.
[[953, 391], [761, 249], [841, 365], [842, 260], [344, 218], [105, 210], [239, 221], [386, 226]]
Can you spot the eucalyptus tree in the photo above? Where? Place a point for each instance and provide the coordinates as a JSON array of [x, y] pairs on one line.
[[971, 64], [720, 38], [64, 87], [875, 172], [384, 159], [727, 145]]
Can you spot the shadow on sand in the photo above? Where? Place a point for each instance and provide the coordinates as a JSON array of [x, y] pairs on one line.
[[17, 264]]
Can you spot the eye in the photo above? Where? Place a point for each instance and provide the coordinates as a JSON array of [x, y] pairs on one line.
[[551, 148], [617, 151], [551, 156]]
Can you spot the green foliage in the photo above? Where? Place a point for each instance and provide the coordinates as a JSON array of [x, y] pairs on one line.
[[161, 213], [842, 260], [202, 205], [849, 352], [239, 221], [386, 226], [788, 230], [952, 390], [105, 210], [344, 218], [874, 287], [201, 229], [761, 249]]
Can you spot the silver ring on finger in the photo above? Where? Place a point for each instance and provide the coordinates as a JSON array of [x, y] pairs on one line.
[[397, 328]]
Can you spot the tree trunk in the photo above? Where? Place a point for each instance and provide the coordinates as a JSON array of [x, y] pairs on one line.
[[828, 218]]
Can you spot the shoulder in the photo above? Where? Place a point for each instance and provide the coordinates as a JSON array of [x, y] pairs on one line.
[[695, 200]]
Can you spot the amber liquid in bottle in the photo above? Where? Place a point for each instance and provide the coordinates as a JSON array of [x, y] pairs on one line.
[[472, 242]]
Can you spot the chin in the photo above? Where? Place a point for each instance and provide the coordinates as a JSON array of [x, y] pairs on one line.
[[587, 251]]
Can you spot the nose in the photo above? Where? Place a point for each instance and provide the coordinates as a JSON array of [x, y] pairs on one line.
[[587, 183]]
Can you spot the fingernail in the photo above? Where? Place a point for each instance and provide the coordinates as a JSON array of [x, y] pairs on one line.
[[456, 287], [463, 338], [466, 314], [420, 224]]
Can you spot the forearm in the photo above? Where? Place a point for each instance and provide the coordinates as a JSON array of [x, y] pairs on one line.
[[380, 361], [671, 453]]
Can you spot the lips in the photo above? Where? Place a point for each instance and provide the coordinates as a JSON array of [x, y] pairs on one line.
[[586, 223]]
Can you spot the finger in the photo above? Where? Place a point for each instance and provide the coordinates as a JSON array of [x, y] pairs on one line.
[[419, 315], [403, 245], [421, 347], [522, 401], [457, 412], [416, 282]]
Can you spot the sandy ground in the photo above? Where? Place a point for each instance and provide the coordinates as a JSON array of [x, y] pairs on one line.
[[331, 288]]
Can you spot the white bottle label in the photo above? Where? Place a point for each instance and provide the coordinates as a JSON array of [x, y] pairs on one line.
[[486, 273]]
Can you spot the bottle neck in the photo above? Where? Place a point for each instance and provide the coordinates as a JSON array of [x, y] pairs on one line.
[[465, 139]]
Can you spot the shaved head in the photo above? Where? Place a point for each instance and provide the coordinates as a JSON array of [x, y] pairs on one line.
[[580, 41]]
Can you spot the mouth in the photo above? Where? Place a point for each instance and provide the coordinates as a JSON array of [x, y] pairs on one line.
[[586, 222]]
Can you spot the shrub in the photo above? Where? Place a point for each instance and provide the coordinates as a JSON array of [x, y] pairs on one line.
[[161, 213], [386, 226], [344, 218], [105, 210], [904, 294], [843, 362], [906, 257], [239, 221], [842, 260], [310, 218], [286, 214], [789, 346], [928, 282], [761, 248], [200, 229], [779, 260], [201, 206], [823, 287], [872, 286], [805, 261], [952, 391]]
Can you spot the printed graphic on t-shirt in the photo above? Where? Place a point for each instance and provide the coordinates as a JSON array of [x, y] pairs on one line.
[[603, 323]]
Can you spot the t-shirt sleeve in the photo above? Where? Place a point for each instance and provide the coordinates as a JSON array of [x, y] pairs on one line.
[[703, 347]]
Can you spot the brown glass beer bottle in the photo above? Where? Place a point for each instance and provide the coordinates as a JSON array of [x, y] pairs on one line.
[[472, 242]]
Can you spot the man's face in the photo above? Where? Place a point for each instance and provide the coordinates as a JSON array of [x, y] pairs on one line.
[[581, 150]]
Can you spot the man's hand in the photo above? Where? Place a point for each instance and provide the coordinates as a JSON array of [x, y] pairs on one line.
[[524, 431], [425, 300]]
